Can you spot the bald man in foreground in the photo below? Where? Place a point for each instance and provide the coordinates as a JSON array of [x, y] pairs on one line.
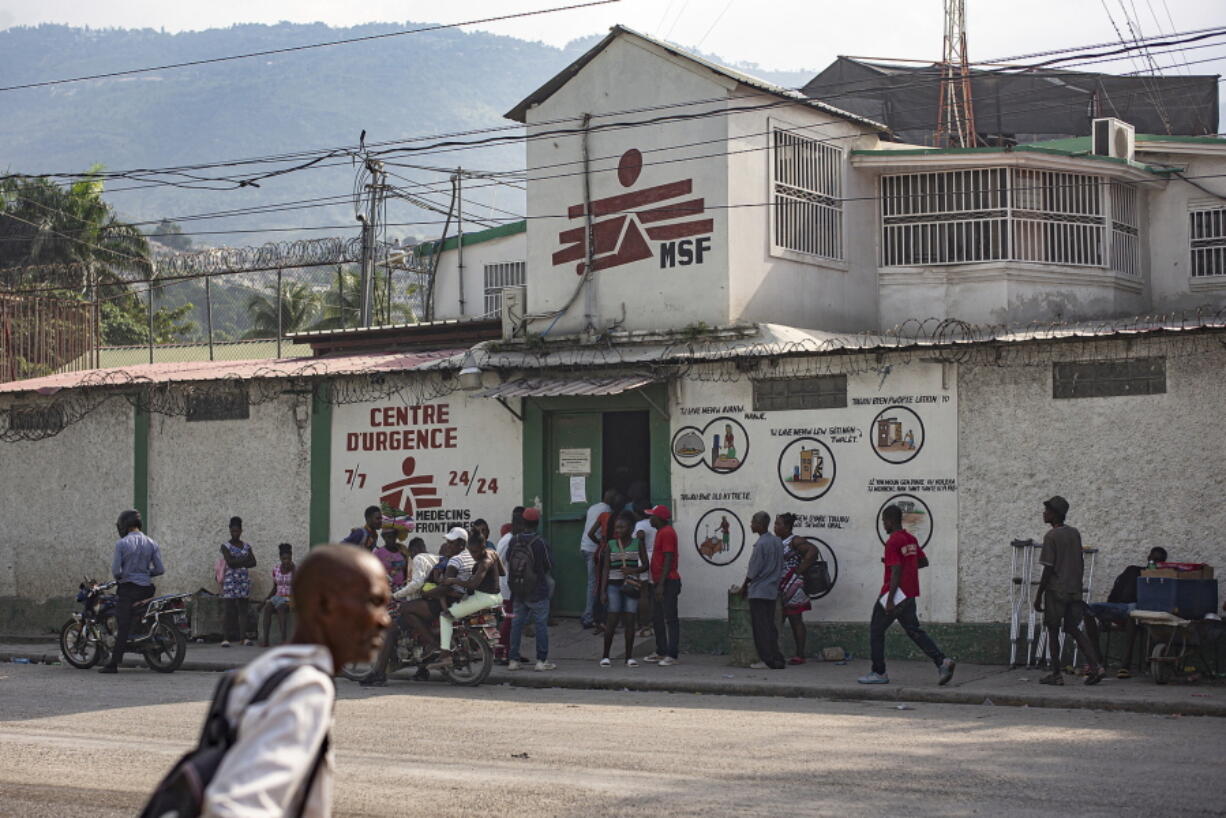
[[281, 755]]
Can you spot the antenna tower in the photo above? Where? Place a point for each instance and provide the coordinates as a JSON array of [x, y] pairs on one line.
[[955, 113]]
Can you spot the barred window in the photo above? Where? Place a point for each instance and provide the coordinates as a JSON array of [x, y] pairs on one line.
[[36, 419], [1109, 379], [1208, 242], [820, 392], [1009, 214], [497, 276], [808, 195], [223, 404]]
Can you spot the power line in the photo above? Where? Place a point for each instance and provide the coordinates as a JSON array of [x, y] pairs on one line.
[[288, 49]]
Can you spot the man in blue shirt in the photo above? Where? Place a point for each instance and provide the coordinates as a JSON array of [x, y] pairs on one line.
[[137, 561], [762, 587]]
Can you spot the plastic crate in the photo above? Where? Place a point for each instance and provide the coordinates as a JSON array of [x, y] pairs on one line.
[[1188, 598]]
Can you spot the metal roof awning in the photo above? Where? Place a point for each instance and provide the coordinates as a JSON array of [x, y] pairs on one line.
[[566, 387]]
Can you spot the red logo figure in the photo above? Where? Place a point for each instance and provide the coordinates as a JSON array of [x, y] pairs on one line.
[[619, 239], [421, 491]]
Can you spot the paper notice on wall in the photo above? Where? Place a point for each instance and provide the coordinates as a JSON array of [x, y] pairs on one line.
[[578, 488], [574, 461]]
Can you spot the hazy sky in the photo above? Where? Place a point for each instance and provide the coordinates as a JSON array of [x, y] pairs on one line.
[[776, 34]]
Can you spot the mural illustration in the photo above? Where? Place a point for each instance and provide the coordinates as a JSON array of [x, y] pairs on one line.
[[806, 468], [719, 536], [916, 518], [722, 445], [897, 434]]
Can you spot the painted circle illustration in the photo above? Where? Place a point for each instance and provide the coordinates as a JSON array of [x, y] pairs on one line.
[[896, 434], [916, 518], [688, 447], [827, 553], [719, 536], [629, 167], [806, 468], [722, 446]]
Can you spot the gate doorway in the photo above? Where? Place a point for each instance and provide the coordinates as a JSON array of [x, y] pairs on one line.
[[575, 449]]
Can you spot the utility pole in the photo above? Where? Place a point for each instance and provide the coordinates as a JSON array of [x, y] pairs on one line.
[[955, 111], [459, 241], [369, 232]]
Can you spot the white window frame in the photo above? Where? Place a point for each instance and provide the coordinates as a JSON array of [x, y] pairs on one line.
[[1207, 250], [822, 189], [496, 277]]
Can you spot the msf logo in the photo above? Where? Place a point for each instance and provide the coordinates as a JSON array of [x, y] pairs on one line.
[[623, 224]]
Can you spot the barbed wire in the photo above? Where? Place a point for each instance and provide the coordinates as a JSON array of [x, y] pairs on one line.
[[727, 355]]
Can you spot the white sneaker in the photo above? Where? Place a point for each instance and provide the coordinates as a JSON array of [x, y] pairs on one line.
[[759, 666], [631, 663], [652, 657], [542, 665], [667, 661], [605, 662], [514, 665]]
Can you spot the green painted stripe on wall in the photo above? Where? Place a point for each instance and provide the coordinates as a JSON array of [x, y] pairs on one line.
[[321, 465], [140, 461]]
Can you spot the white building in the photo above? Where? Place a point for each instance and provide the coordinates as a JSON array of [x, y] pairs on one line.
[[730, 346]]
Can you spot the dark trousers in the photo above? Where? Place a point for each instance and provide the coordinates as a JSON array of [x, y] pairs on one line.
[[125, 595], [234, 618], [765, 633], [391, 637], [664, 620], [904, 612]]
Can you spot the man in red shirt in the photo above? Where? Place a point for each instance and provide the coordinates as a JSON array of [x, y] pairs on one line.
[[899, 590], [667, 583]]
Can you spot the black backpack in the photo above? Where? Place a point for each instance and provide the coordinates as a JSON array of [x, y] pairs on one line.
[[181, 792], [521, 567]]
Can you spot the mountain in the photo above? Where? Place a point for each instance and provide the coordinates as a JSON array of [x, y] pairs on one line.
[[396, 88]]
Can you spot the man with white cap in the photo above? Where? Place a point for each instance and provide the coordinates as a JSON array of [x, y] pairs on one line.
[[479, 588]]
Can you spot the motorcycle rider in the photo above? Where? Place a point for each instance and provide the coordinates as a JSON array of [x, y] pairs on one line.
[[481, 588], [137, 560]]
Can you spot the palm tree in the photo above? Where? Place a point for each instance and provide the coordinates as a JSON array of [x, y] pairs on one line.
[[299, 306], [342, 303]]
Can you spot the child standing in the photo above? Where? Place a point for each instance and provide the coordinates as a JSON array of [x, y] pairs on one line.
[[279, 595]]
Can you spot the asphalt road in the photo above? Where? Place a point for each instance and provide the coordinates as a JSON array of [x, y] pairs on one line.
[[76, 743]]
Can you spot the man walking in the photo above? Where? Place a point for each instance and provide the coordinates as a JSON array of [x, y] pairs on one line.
[[136, 562], [762, 587], [588, 546], [899, 591], [1059, 595], [529, 564], [666, 587], [281, 756]]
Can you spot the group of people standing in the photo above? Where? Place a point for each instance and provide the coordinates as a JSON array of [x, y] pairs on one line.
[[633, 575], [233, 573]]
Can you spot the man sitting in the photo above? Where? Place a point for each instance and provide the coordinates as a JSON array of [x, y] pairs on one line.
[[1121, 602], [481, 589]]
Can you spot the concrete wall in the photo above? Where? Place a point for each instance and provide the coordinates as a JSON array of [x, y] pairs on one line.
[[783, 286], [1138, 471], [841, 511], [626, 76], [1169, 233], [476, 256], [202, 473], [58, 507]]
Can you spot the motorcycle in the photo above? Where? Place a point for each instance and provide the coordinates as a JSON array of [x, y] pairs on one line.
[[89, 637], [472, 651]]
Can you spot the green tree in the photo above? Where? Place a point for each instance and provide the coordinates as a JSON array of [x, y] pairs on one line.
[[342, 302], [299, 307]]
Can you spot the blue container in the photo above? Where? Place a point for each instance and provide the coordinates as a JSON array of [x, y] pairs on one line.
[[1188, 598]]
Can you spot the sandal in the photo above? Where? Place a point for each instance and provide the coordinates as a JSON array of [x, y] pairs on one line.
[[796, 660], [632, 663], [1053, 678], [1123, 673], [1096, 676]]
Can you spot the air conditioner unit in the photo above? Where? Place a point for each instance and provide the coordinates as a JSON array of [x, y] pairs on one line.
[[1113, 137], [514, 312]]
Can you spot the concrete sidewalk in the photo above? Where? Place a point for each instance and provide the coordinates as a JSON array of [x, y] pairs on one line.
[[576, 654]]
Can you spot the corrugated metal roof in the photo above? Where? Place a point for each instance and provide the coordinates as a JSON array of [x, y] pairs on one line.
[[557, 387], [192, 371]]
